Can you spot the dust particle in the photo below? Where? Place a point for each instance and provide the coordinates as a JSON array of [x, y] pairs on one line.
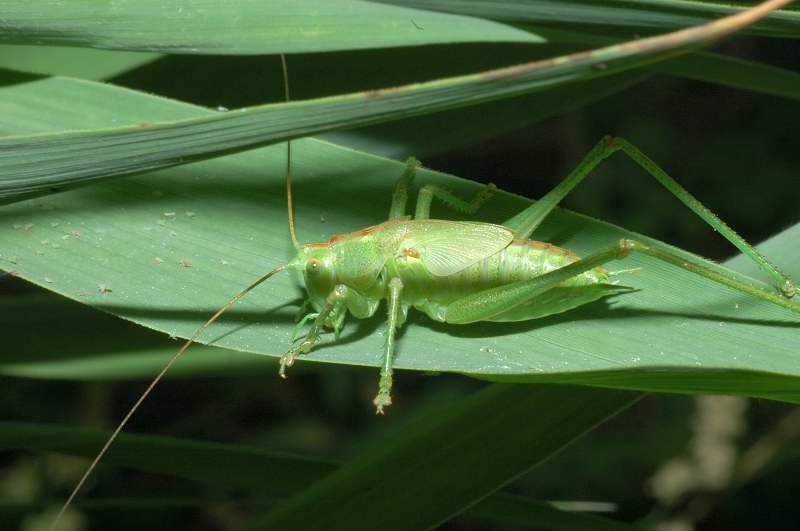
[[27, 226], [186, 263], [45, 242], [102, 288], [159, 259], [173, 233], [48, 280], [169, 214], [224, 262], [190, 214], [17, 226]]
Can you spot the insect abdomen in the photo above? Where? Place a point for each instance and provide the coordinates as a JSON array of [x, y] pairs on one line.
[[521, 260]]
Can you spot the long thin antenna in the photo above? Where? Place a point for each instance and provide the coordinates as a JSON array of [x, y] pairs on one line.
[[289, 201], [150, 388]]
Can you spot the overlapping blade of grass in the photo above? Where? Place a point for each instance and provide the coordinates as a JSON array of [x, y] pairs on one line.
[[472, 444], [467, 451], [238, 27], [38, 164], [627, 16], [423, 136], [167, 249], [319, 75]]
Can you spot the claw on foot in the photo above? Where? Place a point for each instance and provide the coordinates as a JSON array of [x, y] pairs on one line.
[[287, 360], [381, 401]]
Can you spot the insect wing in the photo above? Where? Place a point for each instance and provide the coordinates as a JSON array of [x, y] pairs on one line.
[[447, 247]]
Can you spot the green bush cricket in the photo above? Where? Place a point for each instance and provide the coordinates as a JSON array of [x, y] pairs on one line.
[[460, 272]]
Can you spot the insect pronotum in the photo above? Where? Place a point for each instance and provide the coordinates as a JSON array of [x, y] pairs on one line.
[[460, 272]]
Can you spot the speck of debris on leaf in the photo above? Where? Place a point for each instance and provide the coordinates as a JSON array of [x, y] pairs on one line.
[[186, 263], [27, 226], [102, 288], [159, 259], [190, 214], [48, 280], [224, 262], [169, 214], [173, 233], [45, 242]]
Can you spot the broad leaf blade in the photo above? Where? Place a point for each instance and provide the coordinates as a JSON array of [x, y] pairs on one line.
[[226, 218]]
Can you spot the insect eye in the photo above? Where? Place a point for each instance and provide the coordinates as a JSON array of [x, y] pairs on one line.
[[314, 266]]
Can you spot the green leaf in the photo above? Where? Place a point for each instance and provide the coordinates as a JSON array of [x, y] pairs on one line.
[[226, 218], [37, 164], [319, 75], [237, 27], [467, 451]]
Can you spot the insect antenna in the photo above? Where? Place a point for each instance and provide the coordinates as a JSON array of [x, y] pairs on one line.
[[289, 201], [152, 386]]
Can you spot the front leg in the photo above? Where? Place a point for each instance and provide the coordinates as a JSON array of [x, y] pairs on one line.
[[336, 300]]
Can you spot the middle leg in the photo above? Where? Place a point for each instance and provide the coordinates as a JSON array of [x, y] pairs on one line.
[[395, 318]]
